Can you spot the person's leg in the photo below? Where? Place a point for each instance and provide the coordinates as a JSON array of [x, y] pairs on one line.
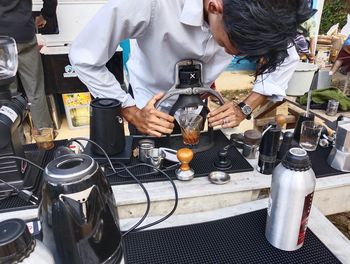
[[30, 71]]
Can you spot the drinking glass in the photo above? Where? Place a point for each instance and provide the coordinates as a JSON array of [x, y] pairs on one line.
[[310, 135], [191, 126], [332, 107], [44, 138]]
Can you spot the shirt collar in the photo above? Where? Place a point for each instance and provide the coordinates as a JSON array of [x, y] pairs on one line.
[[192, 13]]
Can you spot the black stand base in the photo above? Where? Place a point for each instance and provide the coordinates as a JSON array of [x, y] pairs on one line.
[[206, 142], [121, 157]]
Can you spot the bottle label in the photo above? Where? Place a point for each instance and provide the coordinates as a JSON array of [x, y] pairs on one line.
[[7, 111], [305, 217]]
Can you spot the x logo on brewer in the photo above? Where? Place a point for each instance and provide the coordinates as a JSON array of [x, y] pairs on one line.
[[192, 76]]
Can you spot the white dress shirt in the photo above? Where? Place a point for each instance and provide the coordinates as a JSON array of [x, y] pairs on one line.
[[163, 32]]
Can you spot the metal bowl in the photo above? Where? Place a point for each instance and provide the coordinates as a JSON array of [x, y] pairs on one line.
[[219, 177]]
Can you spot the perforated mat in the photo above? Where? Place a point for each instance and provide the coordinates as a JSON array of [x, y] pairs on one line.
[[14, 202], [320, 165], [202, 163], [319, 162], [238, 239]]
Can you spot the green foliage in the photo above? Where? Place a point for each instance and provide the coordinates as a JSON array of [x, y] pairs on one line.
[[334, 12]]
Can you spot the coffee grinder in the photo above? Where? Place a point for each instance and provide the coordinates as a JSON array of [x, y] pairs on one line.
[[13, 110], [12, 113], [188, 89]]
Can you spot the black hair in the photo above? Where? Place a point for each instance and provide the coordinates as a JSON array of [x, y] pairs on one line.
[[263, 30]]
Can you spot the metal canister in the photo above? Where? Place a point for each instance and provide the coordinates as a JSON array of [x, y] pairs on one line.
[[292, 189], [145, 145], [252, 140]]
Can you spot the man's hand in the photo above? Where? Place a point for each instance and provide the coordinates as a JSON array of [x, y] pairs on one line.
[[40, 21], [149, 120], [227, 115]]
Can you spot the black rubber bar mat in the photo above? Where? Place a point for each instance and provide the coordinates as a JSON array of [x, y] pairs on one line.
[[239, 239], [14, 203], [319, 162], [202, 163], [320, 165]]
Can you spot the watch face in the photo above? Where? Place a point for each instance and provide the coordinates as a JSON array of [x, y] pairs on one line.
[[247, 110]]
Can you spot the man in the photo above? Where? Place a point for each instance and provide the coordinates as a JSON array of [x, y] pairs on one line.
[[343, 59], [167, 31], [305, 40], [16, 21]]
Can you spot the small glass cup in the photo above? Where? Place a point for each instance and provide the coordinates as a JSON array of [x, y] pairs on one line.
[[310, 135], [191, 126], [332, 107], [44, 138]]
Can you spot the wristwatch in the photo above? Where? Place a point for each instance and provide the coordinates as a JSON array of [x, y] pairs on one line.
[[246, 110]]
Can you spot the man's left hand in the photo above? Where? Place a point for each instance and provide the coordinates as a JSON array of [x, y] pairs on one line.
[[227, 116], [40, 21]]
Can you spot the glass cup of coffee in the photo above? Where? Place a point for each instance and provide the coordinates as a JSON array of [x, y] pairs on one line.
[[310, 135], [44, 137], [191, 126]]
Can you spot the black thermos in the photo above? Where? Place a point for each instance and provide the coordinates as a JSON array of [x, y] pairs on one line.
[[268, 149], [106, 126]]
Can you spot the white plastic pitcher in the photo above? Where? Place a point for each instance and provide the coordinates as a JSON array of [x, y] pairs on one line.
[[301, 79]]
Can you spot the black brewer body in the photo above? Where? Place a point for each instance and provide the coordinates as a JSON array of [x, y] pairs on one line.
[[268, 150], [78, 212], [286, 145], [106, 126]]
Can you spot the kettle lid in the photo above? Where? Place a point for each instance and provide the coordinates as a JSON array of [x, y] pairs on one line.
[[70, 168], [16, 242], [105, 103]]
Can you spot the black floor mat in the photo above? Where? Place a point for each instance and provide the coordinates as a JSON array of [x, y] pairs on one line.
[[238, 239], [202, 163], [14, 202]]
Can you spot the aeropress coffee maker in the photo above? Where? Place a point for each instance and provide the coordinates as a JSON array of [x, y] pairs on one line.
[[187, 92]]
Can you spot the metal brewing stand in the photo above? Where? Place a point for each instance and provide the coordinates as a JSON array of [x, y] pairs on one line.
[[189, 87]]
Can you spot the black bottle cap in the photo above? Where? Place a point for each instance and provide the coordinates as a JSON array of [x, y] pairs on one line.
[[297, 159], [16, 242]]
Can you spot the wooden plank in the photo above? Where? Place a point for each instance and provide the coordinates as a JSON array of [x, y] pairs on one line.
[[290, 119]]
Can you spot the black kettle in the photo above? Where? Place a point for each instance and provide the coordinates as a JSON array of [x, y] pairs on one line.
[[106, 126], [78, 212]]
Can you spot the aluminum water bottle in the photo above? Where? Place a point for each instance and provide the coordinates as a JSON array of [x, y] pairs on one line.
[[292, 190]]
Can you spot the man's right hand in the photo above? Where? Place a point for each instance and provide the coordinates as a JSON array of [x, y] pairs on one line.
[[149, 120]]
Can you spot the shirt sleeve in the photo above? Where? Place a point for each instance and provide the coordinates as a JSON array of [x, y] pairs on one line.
[[96, 44], [275, 84], [49, 8]]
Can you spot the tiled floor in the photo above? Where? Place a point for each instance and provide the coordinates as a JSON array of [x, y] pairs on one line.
[[65, 132]]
